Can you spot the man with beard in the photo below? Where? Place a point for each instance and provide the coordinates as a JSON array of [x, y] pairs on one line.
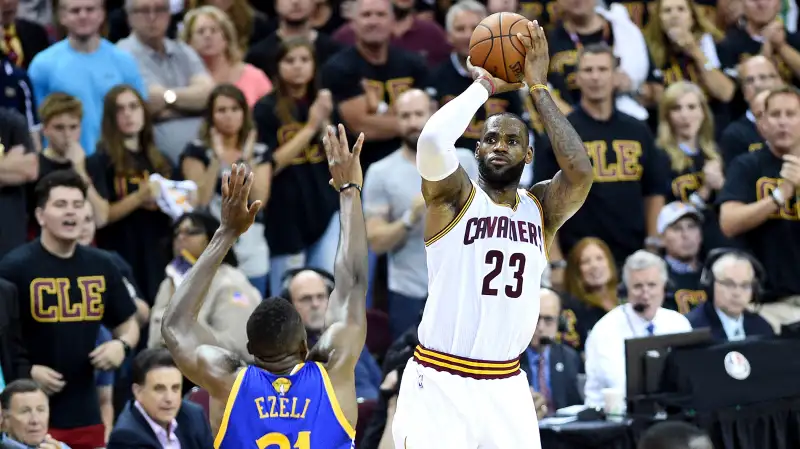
[[394, 208], [293, 21], [487, 249]]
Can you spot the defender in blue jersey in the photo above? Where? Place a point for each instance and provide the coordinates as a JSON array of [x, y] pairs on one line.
[[290, 397]]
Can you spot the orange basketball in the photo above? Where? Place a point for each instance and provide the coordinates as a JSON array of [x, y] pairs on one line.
[[495, 47]]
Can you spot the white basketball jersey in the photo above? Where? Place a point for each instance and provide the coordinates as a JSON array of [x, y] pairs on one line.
[[484, 275]]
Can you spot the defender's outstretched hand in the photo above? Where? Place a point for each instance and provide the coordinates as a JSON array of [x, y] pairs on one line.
[[500, 86], [537, 57], [344, 165], [237, 217]]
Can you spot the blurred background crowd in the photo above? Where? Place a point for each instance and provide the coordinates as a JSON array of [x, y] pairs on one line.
[[686, 108]]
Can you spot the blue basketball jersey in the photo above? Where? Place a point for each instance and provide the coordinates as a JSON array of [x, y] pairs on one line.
[[294, 411]]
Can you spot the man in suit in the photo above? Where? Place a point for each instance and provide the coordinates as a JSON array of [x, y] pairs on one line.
[[552, 368], [21, 39], [158, 418], [731, 280]]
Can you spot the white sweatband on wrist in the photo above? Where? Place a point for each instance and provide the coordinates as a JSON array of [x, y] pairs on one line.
[[436, 150]]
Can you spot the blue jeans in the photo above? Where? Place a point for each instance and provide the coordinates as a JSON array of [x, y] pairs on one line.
[[404, 312], [321, 254]]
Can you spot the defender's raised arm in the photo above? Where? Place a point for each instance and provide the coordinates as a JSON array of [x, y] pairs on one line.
[[445, 185], [563, 195]]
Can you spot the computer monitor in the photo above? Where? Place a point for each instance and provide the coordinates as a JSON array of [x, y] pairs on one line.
[[645, 357]]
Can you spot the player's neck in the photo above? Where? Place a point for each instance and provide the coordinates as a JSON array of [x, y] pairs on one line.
[[598, 110], [500, 195], [283, 365], [63, 249], [376, 54]]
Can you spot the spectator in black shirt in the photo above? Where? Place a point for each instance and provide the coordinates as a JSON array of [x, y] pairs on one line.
[[293, 21], [61, 126], [680, 227], [14, 360], [120, 170], [760, 203], [302, 219], [592, 282], [365, 80], [69, 291], [228, 135], [756, 75], [630, 179], [686, 134], [451, 77], [19, 164]]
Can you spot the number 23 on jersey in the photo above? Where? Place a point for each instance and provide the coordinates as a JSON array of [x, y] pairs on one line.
[[497, 262]]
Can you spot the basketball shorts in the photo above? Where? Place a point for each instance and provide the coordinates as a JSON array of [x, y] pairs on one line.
[[449, 402]]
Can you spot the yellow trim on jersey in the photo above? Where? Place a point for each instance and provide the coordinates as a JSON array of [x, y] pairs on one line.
[[223, 427], [337, 409], [544, 230], [467, 362], [461, 369], [514, 207], [297, 368], [455, 220]]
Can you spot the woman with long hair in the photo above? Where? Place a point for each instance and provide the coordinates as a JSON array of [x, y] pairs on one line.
[[302, 218], [227, 136], [591, 280], [686, 134], [212, 34], [682, 42], [251, 25], [120, 170]]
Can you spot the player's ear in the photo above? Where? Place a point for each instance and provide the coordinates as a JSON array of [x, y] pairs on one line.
[[477, 147], [529, 155]]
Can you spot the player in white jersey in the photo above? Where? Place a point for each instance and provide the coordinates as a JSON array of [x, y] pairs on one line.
[[487, 247]]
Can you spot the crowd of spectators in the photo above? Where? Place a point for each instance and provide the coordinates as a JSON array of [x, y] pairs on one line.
[[117, 119]]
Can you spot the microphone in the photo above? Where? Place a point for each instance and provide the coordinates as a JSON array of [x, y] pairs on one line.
[[639, 308]]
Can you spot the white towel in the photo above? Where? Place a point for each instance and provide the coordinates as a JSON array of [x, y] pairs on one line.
[[174, 196], [631, 49]]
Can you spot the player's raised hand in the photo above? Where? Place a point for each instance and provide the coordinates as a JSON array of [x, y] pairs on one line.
[[537, 57], [237, 216], [498, 86], [344, 165]]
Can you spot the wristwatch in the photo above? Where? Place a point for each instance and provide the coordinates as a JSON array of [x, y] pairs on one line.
[[125, 346], [777, 196], [170, 96], [558, 264]]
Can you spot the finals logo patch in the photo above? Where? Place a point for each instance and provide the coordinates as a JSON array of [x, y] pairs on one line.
[[282, 385]]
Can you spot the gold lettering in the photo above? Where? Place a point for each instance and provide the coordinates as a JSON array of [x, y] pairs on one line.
[[305, 409], [689, 299], [283, 403], [62, 308], [272, 402], [626, 166], [684, 185], [791, 207], [310, 155], [755, 147], [293, 413], [260, 406]]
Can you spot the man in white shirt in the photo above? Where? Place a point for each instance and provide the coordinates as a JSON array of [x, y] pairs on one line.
[[732, 280], [645, 277]]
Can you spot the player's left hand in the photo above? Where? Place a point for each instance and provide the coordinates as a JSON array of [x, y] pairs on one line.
[[344, 165], [537, 56], [237, 216], [108, 356]]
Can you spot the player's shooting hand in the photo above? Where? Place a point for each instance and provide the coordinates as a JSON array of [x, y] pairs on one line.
[[498, 86], [537, 54], [108, 356], [237, 216], [344, 165], [49, 379]]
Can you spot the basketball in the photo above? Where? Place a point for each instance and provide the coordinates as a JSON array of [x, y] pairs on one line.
[[495, 47]]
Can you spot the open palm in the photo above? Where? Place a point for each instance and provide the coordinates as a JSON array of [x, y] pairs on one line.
[[237, 216]]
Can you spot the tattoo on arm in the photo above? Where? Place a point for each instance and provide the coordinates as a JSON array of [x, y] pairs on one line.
[[562, 196], [452, 191]]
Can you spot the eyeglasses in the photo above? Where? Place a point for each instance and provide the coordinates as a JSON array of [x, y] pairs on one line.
[[548, 319], [733, 285]]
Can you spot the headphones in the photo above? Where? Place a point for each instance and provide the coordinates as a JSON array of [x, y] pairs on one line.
[[707, 275], [287, 278], [562, 321]]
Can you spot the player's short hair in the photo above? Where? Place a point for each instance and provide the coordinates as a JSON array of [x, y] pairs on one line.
[[472, 6], [512, 116], [58, 178], [598, 48], [274, 328], [59, 103], [783, 90], [147, 361], [19, 386], [672, 435]]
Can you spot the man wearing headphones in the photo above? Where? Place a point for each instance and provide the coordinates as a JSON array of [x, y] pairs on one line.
[[732, 280], [552, 367]]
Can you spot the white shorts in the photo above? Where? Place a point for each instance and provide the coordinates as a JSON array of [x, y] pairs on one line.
[[441, 410]]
